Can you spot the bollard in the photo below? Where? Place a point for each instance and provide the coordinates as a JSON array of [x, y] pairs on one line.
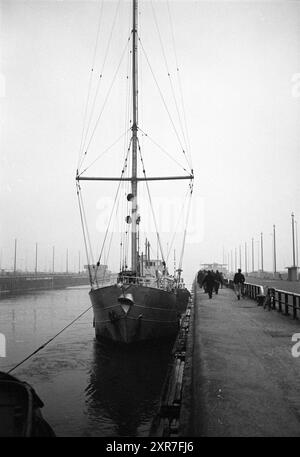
[[260, 297]]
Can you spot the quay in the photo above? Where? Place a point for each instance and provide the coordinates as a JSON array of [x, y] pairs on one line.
[[240, 377], [19, 283]]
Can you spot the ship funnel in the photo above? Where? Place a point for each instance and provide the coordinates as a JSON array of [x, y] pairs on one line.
[[126, 301]]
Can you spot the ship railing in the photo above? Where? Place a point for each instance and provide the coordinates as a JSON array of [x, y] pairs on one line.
[[158, 283]]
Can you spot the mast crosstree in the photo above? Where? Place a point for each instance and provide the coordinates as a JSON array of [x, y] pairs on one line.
[[134, 178]]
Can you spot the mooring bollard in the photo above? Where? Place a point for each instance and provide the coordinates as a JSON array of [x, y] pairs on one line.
[[260, 297]]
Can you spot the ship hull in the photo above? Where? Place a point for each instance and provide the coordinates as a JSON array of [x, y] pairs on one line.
[[149, 314], [182, 296]]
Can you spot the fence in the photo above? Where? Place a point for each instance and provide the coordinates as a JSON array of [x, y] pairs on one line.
[[276, 299]]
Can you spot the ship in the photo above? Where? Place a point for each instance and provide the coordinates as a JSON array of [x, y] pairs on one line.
[[20, 410], [144, 302]]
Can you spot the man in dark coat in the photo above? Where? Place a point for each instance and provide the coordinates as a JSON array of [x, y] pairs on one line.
[[209, 283], [200, 276], [238, 282], [218, 281]]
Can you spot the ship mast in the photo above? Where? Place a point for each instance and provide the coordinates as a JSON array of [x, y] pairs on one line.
[[134, 137]]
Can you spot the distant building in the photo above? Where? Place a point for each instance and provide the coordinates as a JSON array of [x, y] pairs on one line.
[[221, 267]]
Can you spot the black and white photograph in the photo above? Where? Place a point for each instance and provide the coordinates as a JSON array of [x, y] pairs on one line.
[[150, 211]]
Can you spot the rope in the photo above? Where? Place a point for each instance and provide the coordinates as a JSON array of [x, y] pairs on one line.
[[86, 225], [151, 205], [164, 102], [90, 84], [180, 85], [162, 149], [184, 236], [99, 81], [169, 77], [105, 151], [49, 341], [106, 99], [84, 234], [179, 218], [111, 214]]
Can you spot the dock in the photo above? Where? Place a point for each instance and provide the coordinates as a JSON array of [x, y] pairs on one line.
[[242, 379], [20, 283]]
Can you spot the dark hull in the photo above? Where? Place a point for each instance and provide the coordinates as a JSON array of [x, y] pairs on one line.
[[20, 410], [182, 296], [152, 315]]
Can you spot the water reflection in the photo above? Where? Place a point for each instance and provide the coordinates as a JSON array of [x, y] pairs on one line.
[[124, 388]]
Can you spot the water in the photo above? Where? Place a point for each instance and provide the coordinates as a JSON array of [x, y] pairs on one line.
[[88, 389]]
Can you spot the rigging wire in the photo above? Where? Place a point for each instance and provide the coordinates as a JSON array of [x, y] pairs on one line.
[[162, 149], [106, 99], [90, 83], [186, 224], [169, 75], [179, 217], [49, 341], [86, 225], [99, 81], [151, 204], [111, 214], [84, 234], [105, 151], [164, 102], [180, 84]]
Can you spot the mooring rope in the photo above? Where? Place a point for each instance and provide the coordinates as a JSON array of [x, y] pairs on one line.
[[49, 341]]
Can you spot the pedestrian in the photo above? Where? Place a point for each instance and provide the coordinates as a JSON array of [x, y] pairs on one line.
[[238, 282], [218, 281], [222, 279], [200, 277], [209, 283]]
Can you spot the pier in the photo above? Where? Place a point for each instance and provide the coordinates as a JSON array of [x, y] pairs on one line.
[[21, 283], [241, 376]]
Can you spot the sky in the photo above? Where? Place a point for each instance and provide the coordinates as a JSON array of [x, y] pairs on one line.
[[239, 66]]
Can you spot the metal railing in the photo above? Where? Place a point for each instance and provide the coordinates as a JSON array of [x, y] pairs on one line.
[[164, 283], [271, 298]]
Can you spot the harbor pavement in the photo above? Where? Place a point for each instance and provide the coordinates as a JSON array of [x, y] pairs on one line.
[[246, 381]]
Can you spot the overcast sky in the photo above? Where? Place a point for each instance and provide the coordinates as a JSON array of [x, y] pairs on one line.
[[239, 64]]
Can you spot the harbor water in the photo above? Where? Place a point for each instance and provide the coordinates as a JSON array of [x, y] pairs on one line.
[[88, 388]]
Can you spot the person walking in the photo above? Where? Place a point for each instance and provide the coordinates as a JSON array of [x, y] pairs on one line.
[[238, 282], [200, 277], [218, 281], [209, 283]]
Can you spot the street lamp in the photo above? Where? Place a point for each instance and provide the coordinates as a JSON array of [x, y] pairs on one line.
[[293, 237], [262, 251]]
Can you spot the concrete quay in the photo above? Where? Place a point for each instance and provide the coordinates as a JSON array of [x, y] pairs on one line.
[[244, 379]]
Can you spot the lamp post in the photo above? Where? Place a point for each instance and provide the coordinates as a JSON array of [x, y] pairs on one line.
[[67, 261], [15, 257], [293, 238], [235, 259], [262, 251], [252, 255], [246, 269], [36, 258], [297, 250], [274, 249]]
